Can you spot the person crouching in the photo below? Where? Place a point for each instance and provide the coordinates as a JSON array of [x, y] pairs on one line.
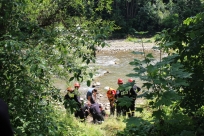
[[96, 113]]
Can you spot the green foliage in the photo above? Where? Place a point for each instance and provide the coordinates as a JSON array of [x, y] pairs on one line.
[[137, 40], [174, 123], [164, 79], [124, 88], [171, 21], [71, 105], [40, 40], [134, 130], [174, 84], [152, 16], [188, 41]]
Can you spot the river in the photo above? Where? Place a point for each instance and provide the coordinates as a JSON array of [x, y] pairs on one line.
[[111, 66]]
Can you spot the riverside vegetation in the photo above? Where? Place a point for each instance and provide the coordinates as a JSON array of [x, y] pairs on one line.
[[40, 40]]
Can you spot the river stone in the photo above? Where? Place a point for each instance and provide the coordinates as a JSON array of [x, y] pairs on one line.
[[97, 83]]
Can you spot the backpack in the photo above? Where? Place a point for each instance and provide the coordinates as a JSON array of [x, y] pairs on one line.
[[111, 93]]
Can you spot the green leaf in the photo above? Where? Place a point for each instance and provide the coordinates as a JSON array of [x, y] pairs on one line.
[[151, 103], [71, 79], [150, 55], [170, 44], [148, 85], [187, 133], [158, 114], [88, 83], [125, 101], [137, 52], [91, 75], [139, 109]]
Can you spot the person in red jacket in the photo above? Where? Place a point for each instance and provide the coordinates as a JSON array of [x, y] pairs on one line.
[[111, 98]]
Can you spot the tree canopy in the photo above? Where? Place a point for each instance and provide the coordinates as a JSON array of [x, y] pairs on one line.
[[174, 85], [40, 40]]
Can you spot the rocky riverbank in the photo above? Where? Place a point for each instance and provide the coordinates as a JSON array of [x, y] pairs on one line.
[[124, 45]]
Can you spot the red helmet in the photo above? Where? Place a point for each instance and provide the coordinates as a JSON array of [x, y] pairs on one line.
[[76, 85], [120, 81], [130, 80]]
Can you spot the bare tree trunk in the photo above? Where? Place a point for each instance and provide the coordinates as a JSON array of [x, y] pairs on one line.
[[131, 8]]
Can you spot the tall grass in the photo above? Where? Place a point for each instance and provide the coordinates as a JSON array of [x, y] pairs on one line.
[[68, 125]]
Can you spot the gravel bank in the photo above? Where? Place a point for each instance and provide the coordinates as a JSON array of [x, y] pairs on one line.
[[123, 45]]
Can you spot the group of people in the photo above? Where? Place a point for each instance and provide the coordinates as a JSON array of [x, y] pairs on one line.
[[81, 109], [129, 91], [95, 109]]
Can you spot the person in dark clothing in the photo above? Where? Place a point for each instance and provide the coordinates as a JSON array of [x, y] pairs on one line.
[[121, 94], [133, 96], [5, 125], [96, 113], [70, 96], [103, 112], [85, 109], [91, 95]]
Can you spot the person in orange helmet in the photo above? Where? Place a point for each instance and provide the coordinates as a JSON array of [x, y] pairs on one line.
[[133, 96], [79, 113], [70, 95], [111, 98]]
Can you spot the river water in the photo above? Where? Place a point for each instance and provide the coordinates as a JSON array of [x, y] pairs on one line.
[[111, 66], [114, 65]]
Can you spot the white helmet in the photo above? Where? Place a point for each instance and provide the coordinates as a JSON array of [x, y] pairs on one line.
[[106, 88]]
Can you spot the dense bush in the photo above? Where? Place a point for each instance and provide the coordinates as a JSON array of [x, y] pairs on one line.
[[174, 84], [40, 40], [151, 16]]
